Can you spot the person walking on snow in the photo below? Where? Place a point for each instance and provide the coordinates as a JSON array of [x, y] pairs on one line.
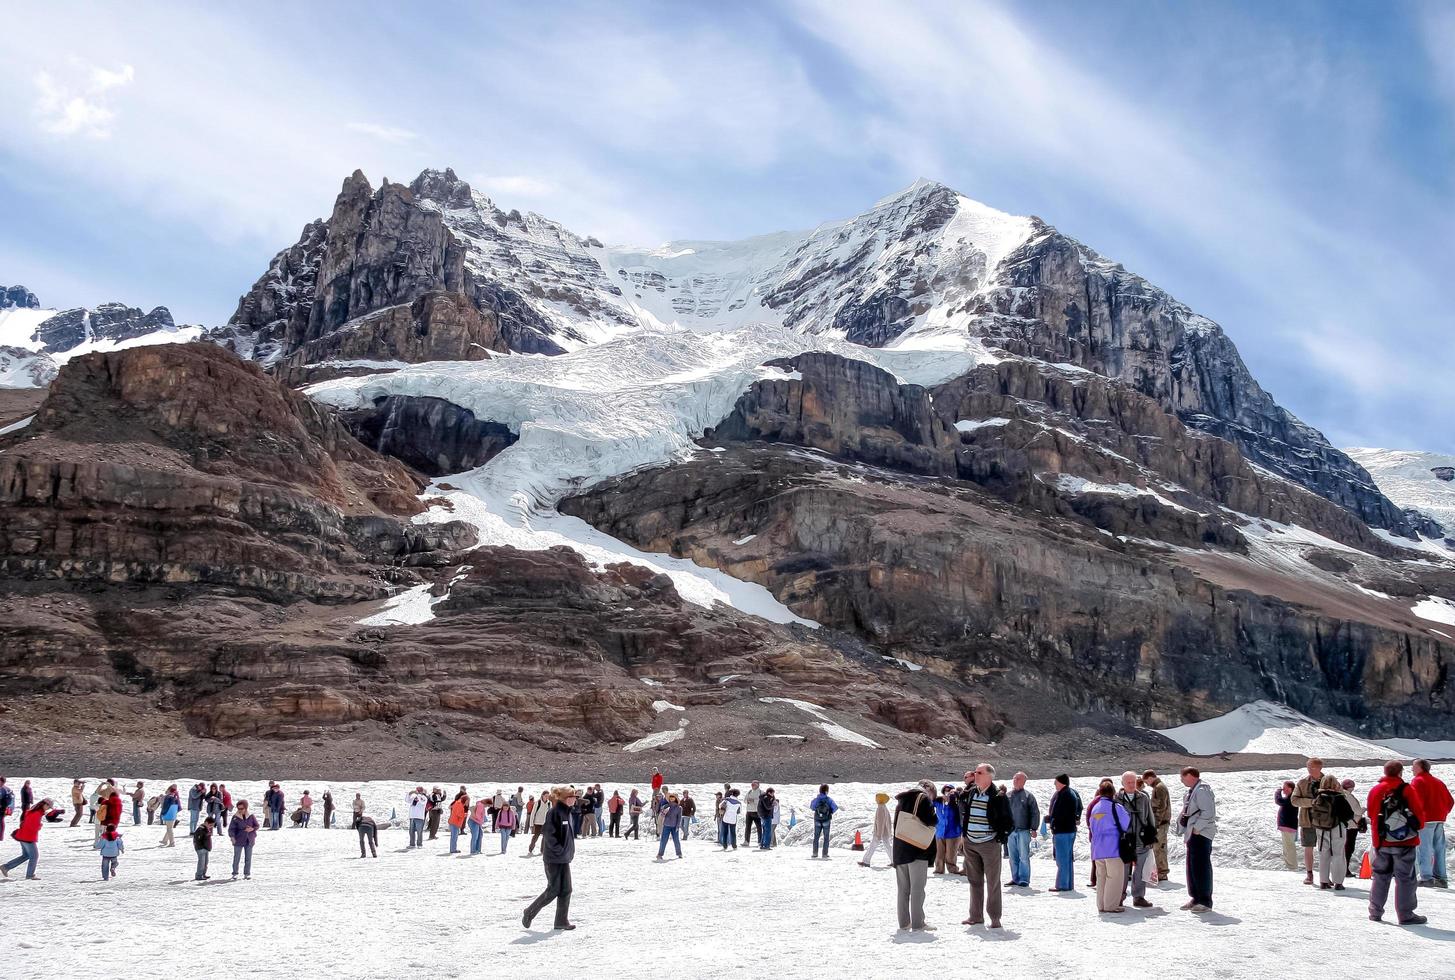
[[984, 828], [111, 847], [78, 800], [558, 849], [1288, 823], [1356, 826], [171, 810], [418, 803], [538, 819], [27, 835], [1106, 821], [242, 830], [1435, 805], [914, 820], [1144, 834], [1025, 820], [1198, 823], [479, 813], [1395, 821], [823, 808], [505, 824], [881, 834], [202, 843], [947, 832]]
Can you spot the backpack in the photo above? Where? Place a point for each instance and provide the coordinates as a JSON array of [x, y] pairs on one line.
[[823, 811], [1126, 840], [1397, 822], [1343, 812], [1321, 814]]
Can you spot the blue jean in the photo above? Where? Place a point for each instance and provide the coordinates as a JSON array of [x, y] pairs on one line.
[[416, 832], [676, 840], [504, 838], [136, 813], [821, 828], [245, 853], [454, 839], [202, 858], [108, 868], [1064, 846], [277, 819], [765, 834], [1019, 846], [477, 835], [1432, 851], [28, 852], [729, 836], [192, 816]]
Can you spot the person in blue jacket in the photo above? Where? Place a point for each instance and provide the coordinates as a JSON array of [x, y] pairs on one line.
[[111, 847], [947, 832], [823, 809], [171, 810]]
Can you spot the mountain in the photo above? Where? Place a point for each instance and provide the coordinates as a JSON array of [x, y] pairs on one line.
[[17, 297], [1418, 481]]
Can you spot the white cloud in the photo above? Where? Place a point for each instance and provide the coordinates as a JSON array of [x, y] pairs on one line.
[[388, 134], [78, 107], [518, 185]]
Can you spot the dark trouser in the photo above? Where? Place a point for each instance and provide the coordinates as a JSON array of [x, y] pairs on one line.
[[753, 821], [558, 890], [535, 835], [242, 854], [367, 833], [634, 830], [615, 826], [135, 813], [1199, 870], [434, 822], [729, 836], [202, 858], [327, 817], [1397, 863], [1349, 849], [982, 867], [821, 829]]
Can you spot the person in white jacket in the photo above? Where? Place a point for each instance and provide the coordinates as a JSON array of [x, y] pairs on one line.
[[544, 802], [732, 808], [750, 802], [1199, 824], [418, 802], [881, 835]]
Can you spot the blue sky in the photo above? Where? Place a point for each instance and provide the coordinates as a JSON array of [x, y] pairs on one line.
[[1286, 168]]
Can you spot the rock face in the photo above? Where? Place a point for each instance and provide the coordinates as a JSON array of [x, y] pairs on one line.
[[432, 435], [22, 368], [12, 297], [109, 321]]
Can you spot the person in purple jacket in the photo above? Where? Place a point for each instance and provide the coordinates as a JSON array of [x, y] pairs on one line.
[[243, 832], [1106, 821]]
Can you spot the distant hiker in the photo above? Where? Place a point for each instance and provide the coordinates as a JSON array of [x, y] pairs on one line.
[[984, 828], [947, 832], [614, 806], [881, 834], [153, 805], [1435, 806], [212, 802], [171, 810], [1065, 817], [226, 803], [1106, 823], [433, 810], [823, 808], [1025, 818], [459, 814], [195, 796], [912, 852], [7, 805], [1198, 823], [358, 807], [755, 820], [305, 806], [202, 843], [732, 807], [767, 804], [1308, 792], [558, 849], [588, 814], [1358, 826], [479, 813], [505, 825], [669, 819], [1287, 823], [138, 797], [1144, 834], [657, 780], [78, 800], [1162, 813], [111, 847], [634, 810], [243, 832], [418, 803], [327, 810], [368, 832], [1395, 821], [27, 835], [578, 814], [109, 810]]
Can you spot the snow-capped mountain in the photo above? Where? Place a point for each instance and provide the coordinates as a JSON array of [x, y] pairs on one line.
[[36, 340], [1423, 482]]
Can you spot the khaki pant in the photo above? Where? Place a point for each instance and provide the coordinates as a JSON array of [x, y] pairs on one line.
[[1160, 851], [1290, 850], [1111, 875], [946, 851], [982, 867], [1333, 865]]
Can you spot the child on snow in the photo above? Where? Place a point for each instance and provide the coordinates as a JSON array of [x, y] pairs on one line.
[[111, 846]]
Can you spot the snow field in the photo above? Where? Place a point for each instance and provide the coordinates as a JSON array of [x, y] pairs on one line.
[[314, 908], [1276, 729]]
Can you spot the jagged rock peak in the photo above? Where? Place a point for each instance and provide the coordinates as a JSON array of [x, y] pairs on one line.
[[443, 187], [12, 297]]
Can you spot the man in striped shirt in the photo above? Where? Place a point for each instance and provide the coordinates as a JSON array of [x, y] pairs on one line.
[[985, 824]]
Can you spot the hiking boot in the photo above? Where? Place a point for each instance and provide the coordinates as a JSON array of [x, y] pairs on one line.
[[1375, 918], [1199, 908], [1338, 888], [1414, 920], [1325, 885], [1141, 903], [1187, 906]]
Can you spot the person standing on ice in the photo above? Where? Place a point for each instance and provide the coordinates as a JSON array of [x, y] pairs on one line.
[[731, 808], [538, 816], [1306, 794], [1144, 834], [27, 835], [1106, 821], [479, 813], [1065, 817], [912, 853], [1395, 821], [358, 808], [1025, 819], [634, 809], [767, 806], [111, 847], [1360, 823], [195, 797], [138, 797], [7, 805], [418, 803], [657, 780], [984, 828], [670, 821], [1198, 823], [823, 808], [505, 824], [880, 833], [327, 809], [947, 832], [558, 849], [368, 832], [434, 808], [242, 830], [1288, 823], [202, 843], [171, 810], [1162, 813], [459, 813], [305, 805], [614, 806], [750, 803], [1435, 806]]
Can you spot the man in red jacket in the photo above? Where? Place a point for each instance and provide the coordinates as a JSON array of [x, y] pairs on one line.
[[1435, 804], [1394, 822]]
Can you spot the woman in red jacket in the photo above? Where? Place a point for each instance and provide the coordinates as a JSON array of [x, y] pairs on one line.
[[28, 836]]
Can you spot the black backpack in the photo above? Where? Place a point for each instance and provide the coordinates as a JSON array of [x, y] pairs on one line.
[[1397, 822], [1126, 840], [1343, 812], [823, 812]]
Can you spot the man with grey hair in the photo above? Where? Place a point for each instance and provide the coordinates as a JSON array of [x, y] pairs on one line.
[[1144, 831], [1025, 818], [985, 826]]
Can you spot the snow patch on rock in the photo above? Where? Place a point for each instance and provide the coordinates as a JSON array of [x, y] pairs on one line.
[[831, 728]]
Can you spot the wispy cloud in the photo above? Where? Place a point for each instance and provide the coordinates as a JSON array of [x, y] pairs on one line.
[[388, 134], [78, 104], [516, 185]]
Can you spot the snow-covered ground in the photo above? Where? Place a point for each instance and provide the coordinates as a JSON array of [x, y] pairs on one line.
[[1408, 478], [1276, 729], [314, 908]]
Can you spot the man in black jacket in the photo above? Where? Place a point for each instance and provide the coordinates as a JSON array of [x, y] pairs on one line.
[[558, 847], [985, 824]]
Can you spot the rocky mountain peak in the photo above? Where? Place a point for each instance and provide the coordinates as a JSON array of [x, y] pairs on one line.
[[442, 187], [18, 297]]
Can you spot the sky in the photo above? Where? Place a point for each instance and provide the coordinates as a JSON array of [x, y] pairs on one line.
[[1286, 169]]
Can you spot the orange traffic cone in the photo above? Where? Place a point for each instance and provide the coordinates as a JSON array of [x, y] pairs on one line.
[[858, 844], [1364, 872]]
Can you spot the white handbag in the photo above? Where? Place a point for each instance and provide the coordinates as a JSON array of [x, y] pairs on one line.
[[909, 828]]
